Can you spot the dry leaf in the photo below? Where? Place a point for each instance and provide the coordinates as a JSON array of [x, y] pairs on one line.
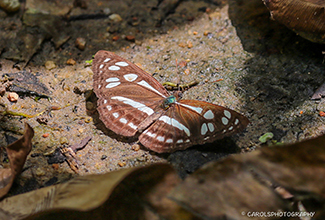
[[17, 153], [241, 184], [134, 193]]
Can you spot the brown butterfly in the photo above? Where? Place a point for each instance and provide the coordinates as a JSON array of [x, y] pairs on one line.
[[130, 102]]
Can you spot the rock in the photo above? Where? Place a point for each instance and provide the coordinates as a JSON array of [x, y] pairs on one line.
[[71, 61], [12, 97], [80, 43], [49, 65], [115, 18]]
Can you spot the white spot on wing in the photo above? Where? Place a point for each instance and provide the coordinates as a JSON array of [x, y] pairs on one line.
[[236, 121], [137, 105], [197, 109], [145, 84], [114, 68], [179, 141], [101, 66], [116, 115], [175, 123], [224, 120], [211, 127], [106, 60], [113, 79], [227, 114], [109, 107], [169, 140], [99, 86], [160, 138], [133, 126], [204, 129], [122, 63], [230, 128], [130, 77], [150, 134], [105, 101], [111, 85], [208, 115], [123, 120]]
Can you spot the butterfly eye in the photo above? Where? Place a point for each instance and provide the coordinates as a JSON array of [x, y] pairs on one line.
[[168, 101]]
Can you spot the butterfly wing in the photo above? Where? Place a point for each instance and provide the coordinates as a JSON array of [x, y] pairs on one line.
[[190, 122], [127, 95]]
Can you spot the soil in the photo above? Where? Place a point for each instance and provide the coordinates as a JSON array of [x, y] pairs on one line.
[[269, 74]]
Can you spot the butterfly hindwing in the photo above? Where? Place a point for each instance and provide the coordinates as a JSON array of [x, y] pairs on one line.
[[190, 122]]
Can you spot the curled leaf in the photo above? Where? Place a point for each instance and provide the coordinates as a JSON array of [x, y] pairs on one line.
[[134, 193], [17, 154], [242, 184]]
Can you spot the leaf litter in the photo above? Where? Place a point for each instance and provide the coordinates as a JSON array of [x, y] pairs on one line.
[[266, 180]]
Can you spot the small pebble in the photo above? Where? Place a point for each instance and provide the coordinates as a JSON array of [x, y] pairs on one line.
[[130, 38], [189, 44], [205, 33], [321, 113], [45, 135], [115, 18], [13, 97], [136, 147], [187, 72], [80, 43], [39, 172], [49, 65], [182, 64], [121, 164], [55, 166], [103, 157], [182, 44], [107, 11], [64, 140], [115, 38], [71, 61]]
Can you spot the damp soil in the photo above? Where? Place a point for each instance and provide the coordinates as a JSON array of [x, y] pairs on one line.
[[268, 74]]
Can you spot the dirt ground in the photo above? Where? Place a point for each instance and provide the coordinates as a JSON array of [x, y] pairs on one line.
[[269, 74]]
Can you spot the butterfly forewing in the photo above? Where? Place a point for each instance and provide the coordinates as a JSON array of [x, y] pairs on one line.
[[131, 101], [126, 94]]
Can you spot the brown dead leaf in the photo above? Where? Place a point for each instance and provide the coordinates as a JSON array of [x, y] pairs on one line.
[[243, 184], [264, 181], [17, 153], [304, 17], [134, 193]]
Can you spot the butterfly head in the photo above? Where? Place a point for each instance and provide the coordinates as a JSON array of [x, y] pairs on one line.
[[167, 102]]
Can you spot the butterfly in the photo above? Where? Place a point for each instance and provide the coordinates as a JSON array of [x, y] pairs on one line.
[[131, 102]]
